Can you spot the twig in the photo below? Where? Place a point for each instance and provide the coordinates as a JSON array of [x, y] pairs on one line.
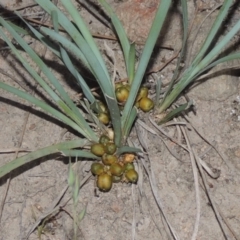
[[209, 143], [159, 68], [236, 235], [154, 188], [194, 39], [24, 6], [208, 194], [196, 184], [2, 71], [134, 213], [55, 206], [11, 150], [167, 135]]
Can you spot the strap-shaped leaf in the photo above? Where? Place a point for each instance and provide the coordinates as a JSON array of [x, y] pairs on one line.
[[184, 44], [174, 113], [212, 33], [84, 31], [128, 126], [102, 77], [68, 63], [79, 153], [146, 54], [18, 162], [72, 112], [115, 118], [127, 149], [47, 109], [120, 32], [131, 63], [195, 70]]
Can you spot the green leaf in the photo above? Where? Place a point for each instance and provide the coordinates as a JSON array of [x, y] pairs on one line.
[[48, 109], [158, 91], [73, 111], [71, 176], [75, 192], [127, 149], [68, 63], [175, 112], [131, 63], [120, 32], [74, 13], [196, 69], [128, 126], [18, 29], [106, 88], [212, 33], [101, 75], [146, 54], [227, 58], [82, 214], [115, 118], [79, 154], [183, 50], [18, 162]]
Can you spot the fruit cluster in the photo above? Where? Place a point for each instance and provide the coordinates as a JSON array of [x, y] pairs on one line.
[[113, 169], [122, 92], [142, 101]]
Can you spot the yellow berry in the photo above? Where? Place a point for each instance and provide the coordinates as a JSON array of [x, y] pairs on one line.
[[128, 166], [109, 159], [111, 148], [146, 104], [104, 182], [98, 149], [103, 118], [128, 158], [143, 92], [122, 94], [97, 168], [104, 139], [116, 169], [131, 175]]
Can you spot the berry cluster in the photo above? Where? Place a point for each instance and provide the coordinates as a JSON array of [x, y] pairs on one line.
[[122, 93], [113, 168]]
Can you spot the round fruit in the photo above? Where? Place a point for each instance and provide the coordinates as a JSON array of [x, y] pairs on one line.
[[97, 168], [104, 182], [116, 179], [116, 169], [104, 139], [146, 104], [103, 118], [98, 149], [110, 133], [118, 85], [111, 148], [128, 166], [128, 158], [102, 107], [131, 175], [122, 94], [109, 159], [143, 92], [128, 87], [137, 104]]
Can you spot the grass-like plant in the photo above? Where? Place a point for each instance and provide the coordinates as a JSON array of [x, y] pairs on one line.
[[205, 59], [73, 182], [80, 45]]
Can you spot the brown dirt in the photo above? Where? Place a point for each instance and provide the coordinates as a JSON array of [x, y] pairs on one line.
[[127, 211]]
